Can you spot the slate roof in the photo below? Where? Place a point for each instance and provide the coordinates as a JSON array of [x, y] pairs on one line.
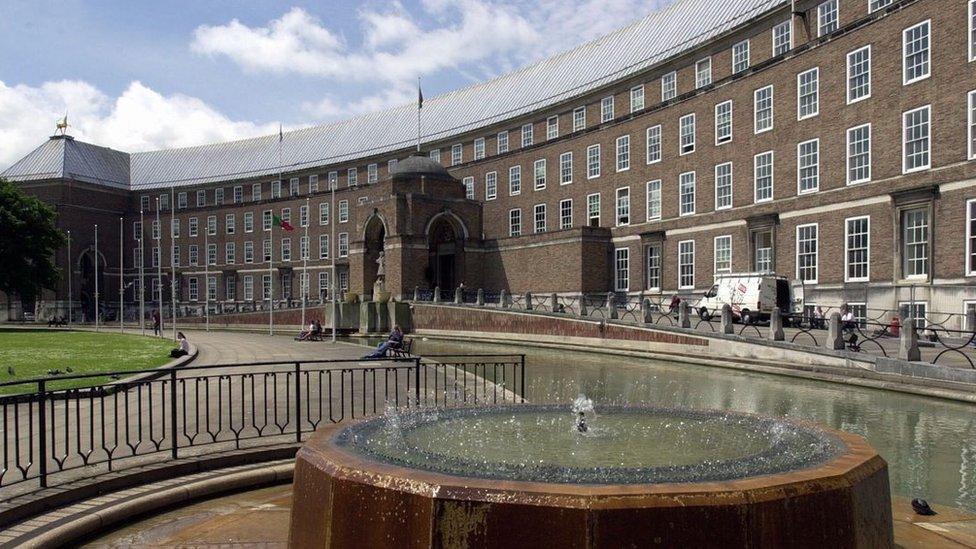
[[618, 55]]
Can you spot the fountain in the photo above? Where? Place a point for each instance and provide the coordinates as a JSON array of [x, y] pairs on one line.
[[613, 476]]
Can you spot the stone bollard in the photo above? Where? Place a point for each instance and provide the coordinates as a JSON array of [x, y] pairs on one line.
[[481, 298], [437, 294], [646, 309], [776, 326], [727, 327], [458, 296], [554, 302], [416, 293], [528, 301], [908, 343], [582, 306], [611, 306], [835, 335], [684, 321], [503, 299]]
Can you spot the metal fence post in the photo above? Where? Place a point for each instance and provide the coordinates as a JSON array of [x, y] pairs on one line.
[[522, 375], [416, 379], [42, 427], [172, 412], [298, 402]]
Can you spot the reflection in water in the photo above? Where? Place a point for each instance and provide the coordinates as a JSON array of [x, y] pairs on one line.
[[930, 444]]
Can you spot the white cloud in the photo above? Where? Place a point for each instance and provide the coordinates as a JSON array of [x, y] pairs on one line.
[[395, 45], [137, 120]]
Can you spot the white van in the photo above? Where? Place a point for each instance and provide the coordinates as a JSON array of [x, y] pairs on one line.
[[752, 296]]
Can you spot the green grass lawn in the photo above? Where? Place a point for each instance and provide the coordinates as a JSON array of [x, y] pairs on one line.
[[32, 353]]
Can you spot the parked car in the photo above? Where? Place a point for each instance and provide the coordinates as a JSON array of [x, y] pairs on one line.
[[752, 296]]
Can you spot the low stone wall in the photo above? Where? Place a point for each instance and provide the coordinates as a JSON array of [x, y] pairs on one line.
[[348, 317], [443, 317]]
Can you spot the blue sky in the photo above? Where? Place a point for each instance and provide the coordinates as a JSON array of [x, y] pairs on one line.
[[137, 75]]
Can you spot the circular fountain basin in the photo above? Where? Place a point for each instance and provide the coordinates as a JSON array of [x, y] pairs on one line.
[[525, 476]]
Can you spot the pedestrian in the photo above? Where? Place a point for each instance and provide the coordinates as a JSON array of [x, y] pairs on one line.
[[156, 322]]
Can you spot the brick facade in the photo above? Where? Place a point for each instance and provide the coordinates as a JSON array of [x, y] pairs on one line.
[[581, 257]]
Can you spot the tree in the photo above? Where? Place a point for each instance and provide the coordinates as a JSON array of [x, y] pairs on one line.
[[29, 238]]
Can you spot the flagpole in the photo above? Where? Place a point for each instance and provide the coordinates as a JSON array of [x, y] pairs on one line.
[[159, 268], [172, 254], [69, 279], [333, 288], [121, 270], [420, 106], [206, 275], [303, 280], [142, 277], [96, 277]]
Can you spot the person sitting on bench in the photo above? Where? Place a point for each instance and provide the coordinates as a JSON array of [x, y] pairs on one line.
[[316, 330], [305, 334], [393, 342]]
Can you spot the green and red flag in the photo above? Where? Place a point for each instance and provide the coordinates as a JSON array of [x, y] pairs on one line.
[[278, 222]]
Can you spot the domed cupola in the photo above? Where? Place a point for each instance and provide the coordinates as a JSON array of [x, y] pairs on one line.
[[415, 167]]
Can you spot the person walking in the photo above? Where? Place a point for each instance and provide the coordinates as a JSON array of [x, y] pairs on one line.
[[156, 321]]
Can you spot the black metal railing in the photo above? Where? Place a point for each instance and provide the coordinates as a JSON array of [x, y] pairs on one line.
[[50, 436]]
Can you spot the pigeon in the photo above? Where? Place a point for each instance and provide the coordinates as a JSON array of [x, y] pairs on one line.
[[921, 507]]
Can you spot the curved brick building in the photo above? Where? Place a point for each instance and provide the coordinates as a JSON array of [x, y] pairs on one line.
[[828, 141]]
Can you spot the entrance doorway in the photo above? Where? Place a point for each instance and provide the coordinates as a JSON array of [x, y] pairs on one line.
[[445, 253]]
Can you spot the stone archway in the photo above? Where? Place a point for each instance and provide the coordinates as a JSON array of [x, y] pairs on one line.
[[445, 252], [374, 237]]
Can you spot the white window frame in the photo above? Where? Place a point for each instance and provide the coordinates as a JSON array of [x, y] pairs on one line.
[[756, 110], [606, 109], [528, 135], [539, 175], [515, 222], [928, 53], [690, 253], [847, 250], [566, 168], [514, 180], [772, 177], [479, 148], [669, 86], [735, 52], [850, 98], [590, 172], [622, 211], [622, 156], [652, 266], [501, 142], [579, 119], [904, 140], [566, 219], [972, 30], [468, 183], [536, 219], [971, 123], [731, 186], [825, 8], [682, 183], [800, 167], [552, 127], [799, 94], [652, 200], [621, 269], [849, 156], [816, 253], [703, 72], [682, 123], [637, 98], [721, 139], [875, 5], [715, 241], [491, 185], [970, 217], [654, 135], [457, 154], [789, 36], [589, 211]]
